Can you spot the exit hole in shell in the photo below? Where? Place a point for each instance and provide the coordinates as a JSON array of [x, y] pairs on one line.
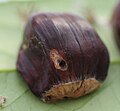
[[62, 63], [65, 97], [58, 60]]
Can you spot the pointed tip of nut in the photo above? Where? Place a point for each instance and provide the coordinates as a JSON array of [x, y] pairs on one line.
[[71, 90]]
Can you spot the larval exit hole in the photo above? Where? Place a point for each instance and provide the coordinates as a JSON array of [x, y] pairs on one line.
[[62, 63], [58, 60]]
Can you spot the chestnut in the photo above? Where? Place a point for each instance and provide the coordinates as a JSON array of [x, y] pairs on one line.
[[61, 57], [115, 21]]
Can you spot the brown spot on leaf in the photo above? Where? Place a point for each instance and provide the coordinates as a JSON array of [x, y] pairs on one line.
[[2, 100]]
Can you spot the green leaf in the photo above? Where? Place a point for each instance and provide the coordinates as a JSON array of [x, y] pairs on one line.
[[12, 86]]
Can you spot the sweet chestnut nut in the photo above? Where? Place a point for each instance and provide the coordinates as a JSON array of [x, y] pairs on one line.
[[61, 57], [116, 24]]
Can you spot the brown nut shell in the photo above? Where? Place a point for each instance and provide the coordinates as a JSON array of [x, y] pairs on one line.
[[61, 57], [115, 21]]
